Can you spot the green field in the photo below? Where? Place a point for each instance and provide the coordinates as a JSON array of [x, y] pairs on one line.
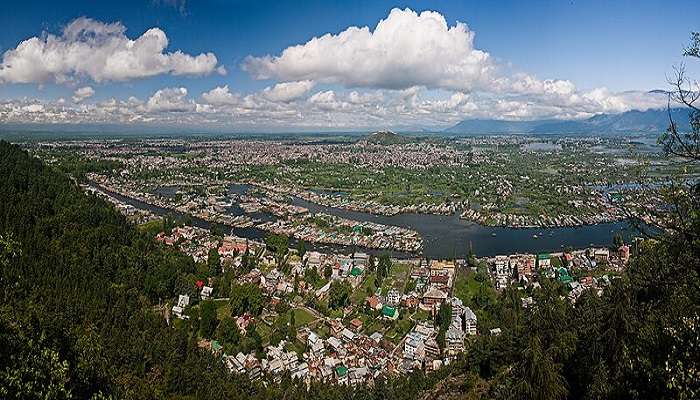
[[302, 317], [467, 287]]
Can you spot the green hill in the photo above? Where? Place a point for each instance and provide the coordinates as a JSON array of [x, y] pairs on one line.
[[385, 138]]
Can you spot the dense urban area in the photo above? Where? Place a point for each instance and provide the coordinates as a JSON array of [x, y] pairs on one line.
[[345, 310]]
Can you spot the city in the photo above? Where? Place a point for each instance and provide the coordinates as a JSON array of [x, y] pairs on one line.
[[357, 200], [328, 315]]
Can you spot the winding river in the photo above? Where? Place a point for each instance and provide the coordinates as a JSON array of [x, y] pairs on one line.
[[446, 236]]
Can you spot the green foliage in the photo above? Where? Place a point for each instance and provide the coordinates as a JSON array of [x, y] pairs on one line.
[[246, 298], [214, 262], [618, 240], [339, 294], [218, 230], [79, 166], [301, 248], [442, 322], [312, 277], [32, 369], [209, 320], [278, 245], [383, 268], [227, 332]]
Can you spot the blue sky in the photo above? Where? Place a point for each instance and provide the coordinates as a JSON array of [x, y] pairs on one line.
[[616, 45]]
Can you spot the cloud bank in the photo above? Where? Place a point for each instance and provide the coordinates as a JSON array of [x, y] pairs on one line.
[[410, 70], [90, 49]]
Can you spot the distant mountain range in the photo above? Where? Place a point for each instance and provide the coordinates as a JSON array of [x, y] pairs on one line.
[[626, 122]]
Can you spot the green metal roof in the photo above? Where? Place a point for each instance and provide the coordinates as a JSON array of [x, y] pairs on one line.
[[341, 370], [388, 311], [564, 275]]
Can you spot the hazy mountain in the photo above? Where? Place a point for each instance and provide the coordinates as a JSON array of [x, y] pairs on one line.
[[627, 122]]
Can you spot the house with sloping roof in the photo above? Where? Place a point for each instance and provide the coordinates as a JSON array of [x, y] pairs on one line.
[[564, 276], [347, 335], [434, 296], [469, 321], [454, 340], [336, 345], [341, 373], [356, 324], [206, 292]]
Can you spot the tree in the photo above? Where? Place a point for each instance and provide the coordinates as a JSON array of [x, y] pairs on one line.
[[371, 263], [312, 277], [9, 249], [278, 245], [301, 248], [292, 328], [443, 319], [327, 271], [214, 262], [246, 297], [217, 230], [383, 268], [539, 377], [618, 241], [228, 332], [37, 372], [684, 143], [339, 294], [209, 320]]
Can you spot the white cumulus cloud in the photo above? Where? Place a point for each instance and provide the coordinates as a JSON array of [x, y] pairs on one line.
[[287, 91], [170, 100], [101, 52], [83, 93], [405, 49], [220, 95]]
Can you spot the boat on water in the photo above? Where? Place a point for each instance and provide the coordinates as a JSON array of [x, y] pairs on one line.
[[534, 236]]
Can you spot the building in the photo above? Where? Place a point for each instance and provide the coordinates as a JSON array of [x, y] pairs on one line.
[[393, 297], [454, 340], [502, 267], [206, 292], [356, 324], [182, 301], [434, 296], [469, 321], [601, 255], [544, 260], [390, 312], [413, 347]]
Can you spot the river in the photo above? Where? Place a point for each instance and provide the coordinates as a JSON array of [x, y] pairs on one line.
[[449, 236], [445, 236]]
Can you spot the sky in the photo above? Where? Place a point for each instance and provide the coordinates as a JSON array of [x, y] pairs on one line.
[[334, 65]]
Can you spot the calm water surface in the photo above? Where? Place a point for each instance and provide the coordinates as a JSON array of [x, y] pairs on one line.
[[444, 236]]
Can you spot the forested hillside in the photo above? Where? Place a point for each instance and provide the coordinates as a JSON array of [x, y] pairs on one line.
[[78, 314], [78, 319]]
